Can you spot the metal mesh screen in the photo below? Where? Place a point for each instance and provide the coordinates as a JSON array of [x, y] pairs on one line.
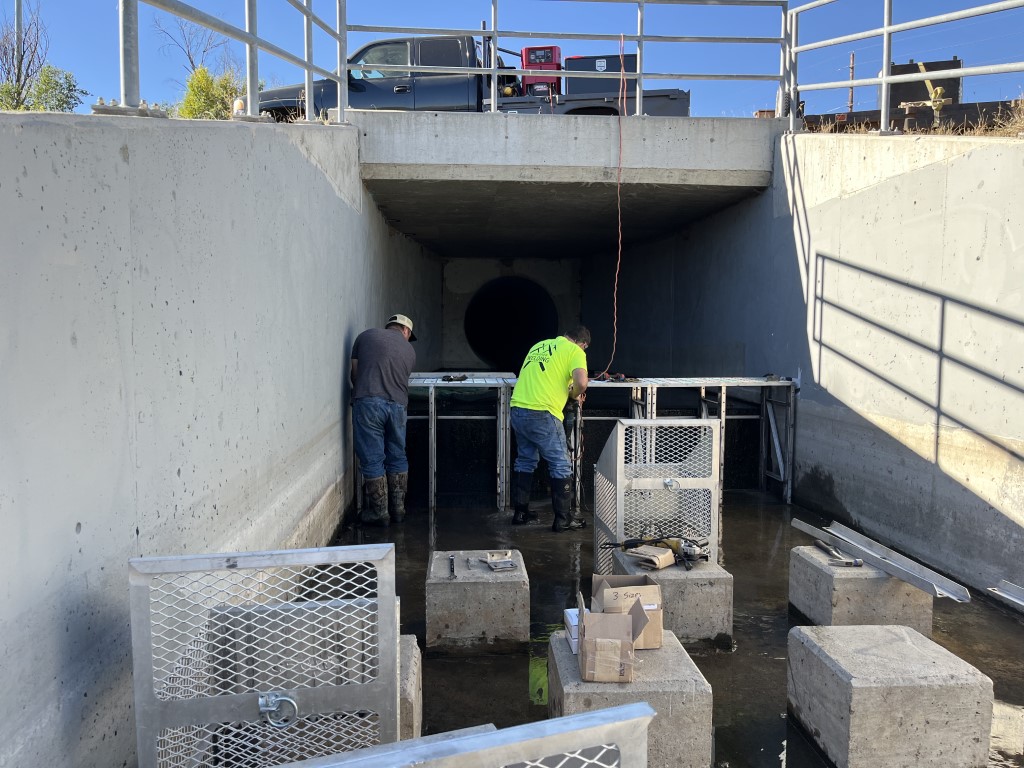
[[260, 659], [605, 515], [248, 744], [605, 738], [602, 756], [658, 477], [263, 630]]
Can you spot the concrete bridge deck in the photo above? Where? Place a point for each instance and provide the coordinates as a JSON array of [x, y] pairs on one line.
[[545, 185]]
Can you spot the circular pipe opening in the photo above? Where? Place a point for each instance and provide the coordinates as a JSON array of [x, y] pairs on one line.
[[506, 317]]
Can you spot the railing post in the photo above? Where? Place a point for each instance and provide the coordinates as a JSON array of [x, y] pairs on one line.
[[342, 30], [308, 40], [883, 116], [640, 57], [129, 13], [780, 96], [794, 92], [494, 55], [252, 55], [19, 41]]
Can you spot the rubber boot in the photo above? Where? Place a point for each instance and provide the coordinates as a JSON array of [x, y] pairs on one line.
[[561, 489], [522, 484], [375, 501], [398, 484]]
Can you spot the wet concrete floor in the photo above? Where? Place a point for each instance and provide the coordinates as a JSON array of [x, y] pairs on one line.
[[748, 683]]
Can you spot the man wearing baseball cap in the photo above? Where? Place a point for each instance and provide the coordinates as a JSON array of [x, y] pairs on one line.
[[382, 359]]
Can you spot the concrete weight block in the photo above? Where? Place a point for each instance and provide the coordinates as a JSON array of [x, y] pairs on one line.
[[681, 734], [697, 604], [888, 696], [479, 610], [837, 595]]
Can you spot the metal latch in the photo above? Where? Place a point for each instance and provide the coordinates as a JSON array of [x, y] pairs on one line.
[[278, 710]]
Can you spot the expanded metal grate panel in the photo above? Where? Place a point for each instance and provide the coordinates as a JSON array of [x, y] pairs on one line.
[[606, 738], [263, 630], [250, 744], [658, 477], [605, 515], [259, 659], [684, 451], [685, 512], [602, 756]]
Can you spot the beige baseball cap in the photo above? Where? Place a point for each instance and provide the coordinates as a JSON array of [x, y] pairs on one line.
[[402, 320]]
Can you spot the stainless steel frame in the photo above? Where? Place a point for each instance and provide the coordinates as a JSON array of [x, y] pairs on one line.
[[658, 477], [608, 738], [261, 658]]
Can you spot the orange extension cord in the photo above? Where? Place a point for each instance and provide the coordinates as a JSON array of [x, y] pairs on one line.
[[618, 205]]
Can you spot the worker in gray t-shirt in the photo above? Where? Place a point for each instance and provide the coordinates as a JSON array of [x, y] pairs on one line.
[[382, 359]]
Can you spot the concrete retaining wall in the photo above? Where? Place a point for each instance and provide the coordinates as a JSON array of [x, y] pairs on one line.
[[177, 301], [883, 273]]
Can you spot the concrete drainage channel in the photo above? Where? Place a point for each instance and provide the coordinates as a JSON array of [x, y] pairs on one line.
[[751, 725]]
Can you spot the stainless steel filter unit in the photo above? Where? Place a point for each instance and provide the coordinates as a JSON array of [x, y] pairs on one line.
[[264, 658], [658, 477]]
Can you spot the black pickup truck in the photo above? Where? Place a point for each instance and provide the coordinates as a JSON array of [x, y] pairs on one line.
[[370, 88]]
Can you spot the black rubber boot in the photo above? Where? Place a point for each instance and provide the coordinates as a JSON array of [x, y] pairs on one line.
[[375, 502], [561, 489], [522, 484], [398, 484]]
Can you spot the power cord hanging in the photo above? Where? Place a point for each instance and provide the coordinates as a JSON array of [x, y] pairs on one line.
[[618, 206]]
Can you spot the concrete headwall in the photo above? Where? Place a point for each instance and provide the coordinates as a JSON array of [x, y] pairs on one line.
[[883, 272], [177, 302]]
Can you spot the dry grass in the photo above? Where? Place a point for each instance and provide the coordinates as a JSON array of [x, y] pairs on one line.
[[1007, 122], [1011, 122]]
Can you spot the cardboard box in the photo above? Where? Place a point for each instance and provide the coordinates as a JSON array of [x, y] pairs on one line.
[[606, 643], [618, 594]]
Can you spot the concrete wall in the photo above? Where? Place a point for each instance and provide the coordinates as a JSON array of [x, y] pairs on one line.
[[176, 305], [884, 273]]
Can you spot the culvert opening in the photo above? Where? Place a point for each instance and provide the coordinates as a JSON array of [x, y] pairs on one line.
[[505, 318]]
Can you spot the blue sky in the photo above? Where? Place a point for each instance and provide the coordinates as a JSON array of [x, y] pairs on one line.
[[84, 40]]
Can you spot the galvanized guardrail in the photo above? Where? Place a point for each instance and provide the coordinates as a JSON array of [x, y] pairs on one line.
[[338, 32], [793, 49], [788, 42]]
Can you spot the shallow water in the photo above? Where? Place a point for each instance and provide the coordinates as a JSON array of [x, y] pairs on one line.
[[748, 683]]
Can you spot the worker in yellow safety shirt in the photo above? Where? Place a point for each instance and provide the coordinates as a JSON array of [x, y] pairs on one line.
[[554, 371]]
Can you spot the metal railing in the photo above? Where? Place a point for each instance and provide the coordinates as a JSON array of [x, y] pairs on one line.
[[792, 49], [130, 76]]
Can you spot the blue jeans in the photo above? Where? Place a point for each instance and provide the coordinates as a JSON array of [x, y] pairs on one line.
[[378, 431], [538, 433]]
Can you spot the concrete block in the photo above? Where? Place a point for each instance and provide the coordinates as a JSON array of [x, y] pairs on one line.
[[410, 688], [697, 604], [888, 695], [680, 736], [479, 610], [831, 595]]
